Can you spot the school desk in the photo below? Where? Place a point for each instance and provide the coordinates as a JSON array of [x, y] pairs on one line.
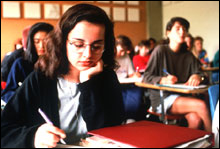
[[171, 89], [209, 70]]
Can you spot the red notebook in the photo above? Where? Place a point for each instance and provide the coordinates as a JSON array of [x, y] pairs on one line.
[[146, 134]]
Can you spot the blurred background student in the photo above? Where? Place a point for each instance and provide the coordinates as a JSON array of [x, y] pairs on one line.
[[23, 66], [141, 59], [19, 47], [189, 42], [153, 44], [215, 63], [199, 52], [132, 95]]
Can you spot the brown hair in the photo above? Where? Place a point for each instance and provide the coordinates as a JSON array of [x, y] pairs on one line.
[[55, 62]]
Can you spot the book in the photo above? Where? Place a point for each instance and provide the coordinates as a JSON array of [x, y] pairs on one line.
[[182, 86], [146, 134]]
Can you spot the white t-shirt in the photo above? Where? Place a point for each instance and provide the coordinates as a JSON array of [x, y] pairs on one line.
[[71, 120]]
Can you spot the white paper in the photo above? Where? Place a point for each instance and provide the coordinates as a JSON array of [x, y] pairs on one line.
[[11, 10], [51, 11], [133, 14], [119, 14], [32, 10], [182, 86], [118, 2], [133, 2]]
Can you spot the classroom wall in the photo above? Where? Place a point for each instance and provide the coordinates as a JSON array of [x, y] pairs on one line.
[[154, 17], [203, 17], [11, 29]]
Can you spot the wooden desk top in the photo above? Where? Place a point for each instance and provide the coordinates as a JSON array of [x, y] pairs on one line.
[[179, 90], [210, 68]]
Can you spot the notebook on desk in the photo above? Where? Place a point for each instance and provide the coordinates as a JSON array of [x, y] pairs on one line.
[[146, 134], [182, 86]]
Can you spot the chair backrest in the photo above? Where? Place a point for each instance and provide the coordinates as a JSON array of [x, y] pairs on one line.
[[213, 97]]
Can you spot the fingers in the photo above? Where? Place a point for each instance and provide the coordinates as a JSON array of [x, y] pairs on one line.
[[48, 135], [170, 79], [87, 74], [56, 131], [194, 80]]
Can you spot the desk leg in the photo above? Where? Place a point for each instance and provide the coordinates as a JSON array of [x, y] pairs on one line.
[[162, 118], [210, 77]]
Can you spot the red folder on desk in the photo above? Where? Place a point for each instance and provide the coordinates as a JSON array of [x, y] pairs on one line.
[[146, 134]]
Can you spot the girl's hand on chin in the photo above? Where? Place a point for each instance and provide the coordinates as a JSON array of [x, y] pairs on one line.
[[87, 74]]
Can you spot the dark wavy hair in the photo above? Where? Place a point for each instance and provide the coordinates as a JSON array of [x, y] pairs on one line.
[[55, 63], [31, 53], [181, 20]]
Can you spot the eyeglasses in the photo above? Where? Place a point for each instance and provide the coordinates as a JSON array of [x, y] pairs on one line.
[[79, 47]]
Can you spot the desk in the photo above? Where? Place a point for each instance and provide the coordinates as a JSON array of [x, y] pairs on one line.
[[171, 89], [130, 80], [209, 70]]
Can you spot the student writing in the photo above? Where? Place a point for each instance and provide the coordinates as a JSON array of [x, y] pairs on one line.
[[75, 85]]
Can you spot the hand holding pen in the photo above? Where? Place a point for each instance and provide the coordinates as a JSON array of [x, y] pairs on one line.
[[169, 79], [48, 135]]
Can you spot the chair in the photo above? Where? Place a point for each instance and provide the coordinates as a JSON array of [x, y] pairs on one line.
[[169, 118], [213, 98]]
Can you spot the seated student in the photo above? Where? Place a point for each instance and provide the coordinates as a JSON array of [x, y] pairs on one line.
[[183, 68], [199, 52], [153, 44], [129, 46], [132, 95], [23, 66], [215, 75], [189, 42], [9, 59], [75, 85], [140, 61]]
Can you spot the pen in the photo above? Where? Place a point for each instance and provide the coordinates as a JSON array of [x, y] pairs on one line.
[[166, 72], [49, 122], [137, 69]]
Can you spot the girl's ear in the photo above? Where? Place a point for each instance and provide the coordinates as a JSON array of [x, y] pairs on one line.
[[167, 33]]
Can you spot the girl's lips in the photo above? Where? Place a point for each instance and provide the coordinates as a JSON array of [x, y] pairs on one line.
[[85, 63]]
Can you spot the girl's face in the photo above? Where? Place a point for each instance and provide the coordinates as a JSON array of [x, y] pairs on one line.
[[188, 42], [85, 45], [39, 40], [177, 33], [144, 51], [121, 51], [198, 45]]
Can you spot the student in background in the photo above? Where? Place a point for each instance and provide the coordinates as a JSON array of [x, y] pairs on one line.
[[10, 58], [127, 44], [75, 85], [153, 44], [23, 66], [215, 75], [199, 52], [126, 69], [189, 42], [140, 61], [132, 95], [183, 68]]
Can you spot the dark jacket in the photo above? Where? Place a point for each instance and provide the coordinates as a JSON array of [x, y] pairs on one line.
[[100, 102], [8, 61], [19, 71]]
